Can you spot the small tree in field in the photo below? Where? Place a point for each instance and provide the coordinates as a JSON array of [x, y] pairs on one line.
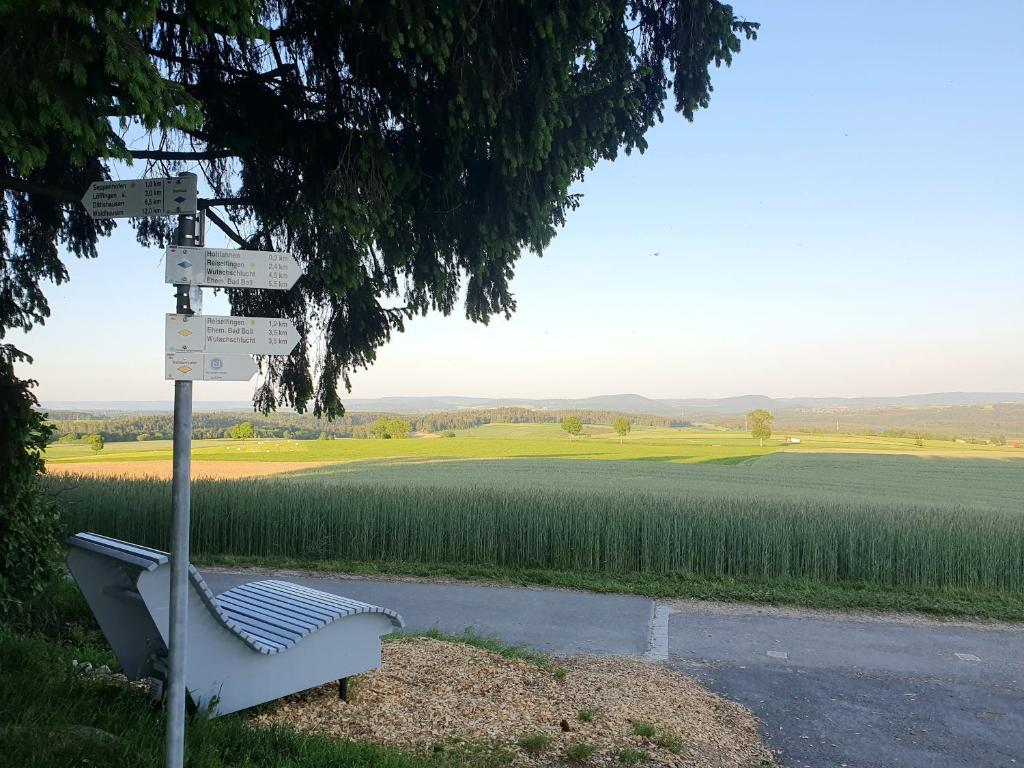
[[243, 431], [572, 425], [760, 424], [622, 427], [392, 429], [95, 442]]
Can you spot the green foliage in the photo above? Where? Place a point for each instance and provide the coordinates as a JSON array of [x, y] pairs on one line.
[[644, 730], [633, 756], [348, 129], [242, 431], [391, 429], [622, 427], [491, 644], [669, 741], [48, 711], [586, 715], [610, 530], [95, 441], [28, 521], [573, 425], [535, 743], [560, 673], [580, 752], [70, 425], [760, 424]]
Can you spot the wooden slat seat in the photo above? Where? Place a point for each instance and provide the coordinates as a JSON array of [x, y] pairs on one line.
[[127, 587]]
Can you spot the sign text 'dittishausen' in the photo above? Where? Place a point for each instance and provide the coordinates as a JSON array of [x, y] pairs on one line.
[[141, 197]]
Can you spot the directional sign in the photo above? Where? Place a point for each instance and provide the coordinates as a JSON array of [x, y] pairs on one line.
[[141, 197], [197, 366], [227, 268], [226, 334]]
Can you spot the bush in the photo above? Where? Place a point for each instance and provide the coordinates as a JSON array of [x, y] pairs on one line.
[[29, 523]]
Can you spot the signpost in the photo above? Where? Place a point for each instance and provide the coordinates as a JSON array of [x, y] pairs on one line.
[[226, 268], [228, 333], [142, 197], [198, 348], [196, 366]]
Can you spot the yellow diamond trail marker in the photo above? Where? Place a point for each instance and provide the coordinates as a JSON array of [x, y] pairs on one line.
[[227, 268], [228, 334], [141, 197], [196, 366]]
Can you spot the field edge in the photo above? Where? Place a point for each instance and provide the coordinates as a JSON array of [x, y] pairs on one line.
[[840, 597]]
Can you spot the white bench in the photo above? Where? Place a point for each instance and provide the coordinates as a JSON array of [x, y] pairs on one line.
[[253, 643]]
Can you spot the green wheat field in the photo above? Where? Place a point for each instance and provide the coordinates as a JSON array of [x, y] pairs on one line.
[[873, 512]]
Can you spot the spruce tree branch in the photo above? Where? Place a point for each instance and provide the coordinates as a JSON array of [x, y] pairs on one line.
[[224, 227], [159, 154], [210, 202], [45, 190]]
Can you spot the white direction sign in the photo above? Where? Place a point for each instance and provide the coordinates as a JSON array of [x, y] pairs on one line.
[[227, 334], [141, 197], [229, 268], [198, 366]]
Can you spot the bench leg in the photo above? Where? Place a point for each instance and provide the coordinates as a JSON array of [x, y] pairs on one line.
[[343, 689]]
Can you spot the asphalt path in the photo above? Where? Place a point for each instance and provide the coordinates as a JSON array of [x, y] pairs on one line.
[[862, 692]]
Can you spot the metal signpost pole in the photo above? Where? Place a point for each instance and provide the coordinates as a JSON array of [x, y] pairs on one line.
[[181, 502], [221, 351]]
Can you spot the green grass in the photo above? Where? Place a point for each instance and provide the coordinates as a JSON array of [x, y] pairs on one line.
[[690, 514], [996, 606], [580, 752], [491, 644], [524, 441], [586, 715], [633, 756], [644, 730], [669, 741], [52, 716], [535, 743], [828, 540]]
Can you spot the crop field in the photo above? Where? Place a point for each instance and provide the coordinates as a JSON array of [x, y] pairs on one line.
[[863, 513], [525, 441]]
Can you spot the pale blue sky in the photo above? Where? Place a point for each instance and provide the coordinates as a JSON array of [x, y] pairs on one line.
[[846, 219]]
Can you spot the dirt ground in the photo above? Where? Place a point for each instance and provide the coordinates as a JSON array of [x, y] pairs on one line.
[[431, 694], [161, 470]]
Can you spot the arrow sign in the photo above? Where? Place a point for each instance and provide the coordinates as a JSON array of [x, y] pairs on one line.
[[197, 366], [227, 334], [141, 197], [227, 268]]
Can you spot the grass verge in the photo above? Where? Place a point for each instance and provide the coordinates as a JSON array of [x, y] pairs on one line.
[[53, 716], [969, 604]]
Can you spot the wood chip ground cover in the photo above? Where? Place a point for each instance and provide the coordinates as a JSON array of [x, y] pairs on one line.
[[431, 692]]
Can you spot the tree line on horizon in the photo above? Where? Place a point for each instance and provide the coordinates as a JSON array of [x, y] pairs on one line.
[[74, 426]]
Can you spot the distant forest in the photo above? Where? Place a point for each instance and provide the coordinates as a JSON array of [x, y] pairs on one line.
[[948, 422], [74, 425], [984, 422]]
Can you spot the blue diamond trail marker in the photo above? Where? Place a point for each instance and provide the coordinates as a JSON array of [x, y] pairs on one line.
[[141, 197], [231, 268]]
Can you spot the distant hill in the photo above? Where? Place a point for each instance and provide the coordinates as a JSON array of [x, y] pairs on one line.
[[633, 403], [623, 403]]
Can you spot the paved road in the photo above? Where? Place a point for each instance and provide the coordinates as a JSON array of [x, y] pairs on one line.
[[831, 691]]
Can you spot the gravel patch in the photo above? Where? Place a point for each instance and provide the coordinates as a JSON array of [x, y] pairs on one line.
[[431, 694]]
